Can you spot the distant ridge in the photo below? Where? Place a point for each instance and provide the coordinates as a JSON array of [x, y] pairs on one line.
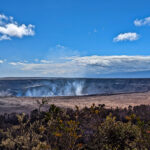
[[40, 78]]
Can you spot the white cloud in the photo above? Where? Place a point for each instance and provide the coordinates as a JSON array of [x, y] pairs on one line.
[[14, 30], [1, 61], [4, 37], [10, 28], [142, 22], [46, 61], [83, 66], [3, 17], [130, 36], [16, 63]]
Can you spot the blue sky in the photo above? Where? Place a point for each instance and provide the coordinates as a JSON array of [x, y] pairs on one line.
[[75, 38]]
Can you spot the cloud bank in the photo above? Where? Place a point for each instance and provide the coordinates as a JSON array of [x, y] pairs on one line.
[[10, 28], [87, 65]]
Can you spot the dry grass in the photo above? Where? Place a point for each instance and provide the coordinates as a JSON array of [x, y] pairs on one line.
[[13, 104]]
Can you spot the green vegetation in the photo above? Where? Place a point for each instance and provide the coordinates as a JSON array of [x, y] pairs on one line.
[[94, 128]]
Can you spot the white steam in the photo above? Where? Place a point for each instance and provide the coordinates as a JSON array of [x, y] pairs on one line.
[[69, 89]]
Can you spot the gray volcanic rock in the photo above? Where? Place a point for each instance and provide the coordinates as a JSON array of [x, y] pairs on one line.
[[44, 87]]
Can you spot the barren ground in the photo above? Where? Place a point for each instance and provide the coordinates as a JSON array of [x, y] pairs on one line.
[[26, 104]]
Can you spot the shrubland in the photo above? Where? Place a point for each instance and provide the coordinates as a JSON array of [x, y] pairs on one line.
[[93, 128]]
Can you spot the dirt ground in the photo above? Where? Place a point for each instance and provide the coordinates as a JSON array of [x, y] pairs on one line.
[[26, 104]]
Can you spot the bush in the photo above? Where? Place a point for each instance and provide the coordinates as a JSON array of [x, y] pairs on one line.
[[86, 129]]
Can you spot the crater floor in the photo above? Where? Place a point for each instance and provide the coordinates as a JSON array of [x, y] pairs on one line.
[[26, 104]]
